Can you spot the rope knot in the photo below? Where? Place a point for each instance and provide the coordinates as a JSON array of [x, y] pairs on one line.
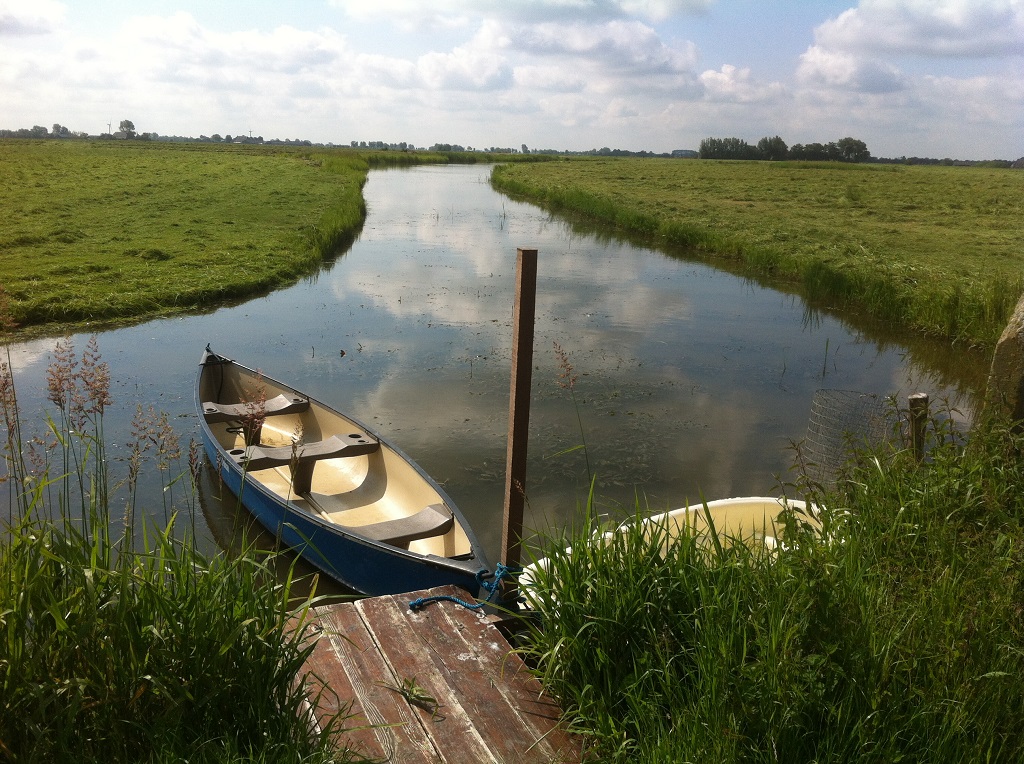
[[501, 572]]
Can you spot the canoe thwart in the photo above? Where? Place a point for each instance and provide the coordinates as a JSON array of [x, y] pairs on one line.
[[303, 456], [233, 412], [433, 520]]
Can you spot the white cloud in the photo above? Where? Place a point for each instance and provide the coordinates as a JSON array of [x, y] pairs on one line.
[[738, 86], [975, 103], [385, 71], [624, 46], [619, 108], [571, 110], [464, 68], [820, 67], [180, 41], [874, 71], [549, 77], [659, 10], [934, 116], [978, 28], [18, 17], [477, 65], [449, 13]]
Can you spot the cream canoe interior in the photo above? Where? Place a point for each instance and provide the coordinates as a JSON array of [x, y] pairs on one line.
[[327, 464]]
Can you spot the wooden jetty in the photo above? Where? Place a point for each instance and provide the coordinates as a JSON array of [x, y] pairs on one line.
[[439, 684]]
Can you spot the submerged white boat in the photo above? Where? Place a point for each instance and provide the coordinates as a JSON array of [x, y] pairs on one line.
[[748, 519]]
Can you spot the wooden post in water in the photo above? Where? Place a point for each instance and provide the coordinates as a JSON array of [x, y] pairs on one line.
[[918, 422], [523, 311]]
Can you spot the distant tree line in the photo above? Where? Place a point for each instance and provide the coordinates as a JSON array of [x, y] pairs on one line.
[[775, 149], [768, 148], [383, 145], [126, 131], [843, 150], [947, 162], [38, 131]]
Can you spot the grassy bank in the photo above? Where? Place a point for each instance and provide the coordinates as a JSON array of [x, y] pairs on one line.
[[105, 230], [901, 638], [934, 249], [122, 643]]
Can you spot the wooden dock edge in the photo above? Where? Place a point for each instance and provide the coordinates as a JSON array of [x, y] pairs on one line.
[[378, 662]]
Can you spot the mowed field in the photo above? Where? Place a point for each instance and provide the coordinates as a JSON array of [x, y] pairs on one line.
[[112, 230], [935, 249]]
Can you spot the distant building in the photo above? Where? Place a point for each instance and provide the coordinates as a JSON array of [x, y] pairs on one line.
[[685, 154]]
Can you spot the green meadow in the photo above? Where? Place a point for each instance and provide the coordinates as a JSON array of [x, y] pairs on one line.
[[109, 231], [101, 231], [932, 249]]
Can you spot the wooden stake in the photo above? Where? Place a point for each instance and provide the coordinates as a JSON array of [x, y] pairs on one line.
[[523, 311], [918, 422]]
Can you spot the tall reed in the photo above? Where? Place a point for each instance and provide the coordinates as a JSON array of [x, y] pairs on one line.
[[121, 643]]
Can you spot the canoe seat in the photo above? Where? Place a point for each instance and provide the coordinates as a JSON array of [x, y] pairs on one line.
[[233, 412], [434, 520], [302, 457]]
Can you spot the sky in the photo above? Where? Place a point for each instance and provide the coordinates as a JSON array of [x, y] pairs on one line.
[[928, 78]]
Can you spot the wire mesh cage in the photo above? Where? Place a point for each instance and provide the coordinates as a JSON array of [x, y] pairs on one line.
[[841, 421]]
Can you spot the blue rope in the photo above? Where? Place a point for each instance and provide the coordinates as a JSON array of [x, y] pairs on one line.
[[501, 571]]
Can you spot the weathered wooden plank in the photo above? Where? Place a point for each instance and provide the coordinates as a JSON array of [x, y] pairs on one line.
[[539, 711], [346, 658], [490, 708], [452, 731], [502, 696]]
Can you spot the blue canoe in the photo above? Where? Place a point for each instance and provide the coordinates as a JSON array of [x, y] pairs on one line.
[[329, 488]]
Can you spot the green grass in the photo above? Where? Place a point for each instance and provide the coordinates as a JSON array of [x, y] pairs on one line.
[[123, 643], [97, 231], [935, 249], [100, 231], [900, 638]]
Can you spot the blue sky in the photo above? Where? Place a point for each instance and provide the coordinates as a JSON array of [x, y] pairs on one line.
[[909, 77]]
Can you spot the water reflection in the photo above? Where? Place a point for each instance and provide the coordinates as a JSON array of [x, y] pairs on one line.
[[691, 381]]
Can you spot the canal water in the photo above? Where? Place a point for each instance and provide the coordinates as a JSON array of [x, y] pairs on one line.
[[689, 382]]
